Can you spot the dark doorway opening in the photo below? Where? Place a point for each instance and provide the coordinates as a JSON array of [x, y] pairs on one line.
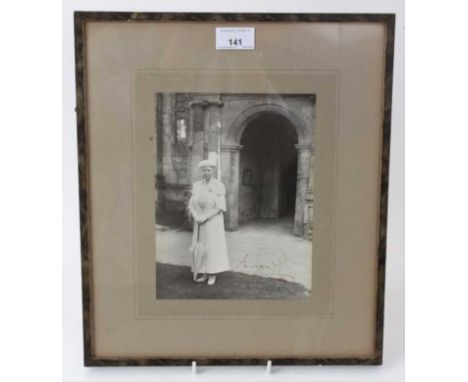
[[268, 169]]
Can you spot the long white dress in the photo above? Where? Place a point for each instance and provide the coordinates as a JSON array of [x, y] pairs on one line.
[[208, 197]]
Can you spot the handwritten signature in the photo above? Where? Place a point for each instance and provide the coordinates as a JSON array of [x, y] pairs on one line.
[[270, 269]]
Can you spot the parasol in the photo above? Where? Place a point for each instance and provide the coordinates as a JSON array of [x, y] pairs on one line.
[[198, 255]]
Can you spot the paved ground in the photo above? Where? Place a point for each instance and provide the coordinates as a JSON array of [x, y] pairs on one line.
[[175, 282], [264, 248]]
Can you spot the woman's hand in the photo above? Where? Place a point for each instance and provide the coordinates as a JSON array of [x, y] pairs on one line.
[[200, 220], [203, 219]]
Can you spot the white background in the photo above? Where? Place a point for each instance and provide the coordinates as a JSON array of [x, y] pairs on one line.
[[436, 195]]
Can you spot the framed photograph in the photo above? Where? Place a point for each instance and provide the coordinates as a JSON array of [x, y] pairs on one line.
[[233, 186]]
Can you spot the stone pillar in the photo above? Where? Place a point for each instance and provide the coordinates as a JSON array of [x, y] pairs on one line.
[[213, 126], [159, 177], [309, 201], [304, 152], [167, 136], [213, 129], [159, 134], [205, 115], [230, 155], [197, 139], [309, 215]]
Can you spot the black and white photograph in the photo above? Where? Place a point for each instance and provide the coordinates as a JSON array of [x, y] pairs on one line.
[[234, 195]]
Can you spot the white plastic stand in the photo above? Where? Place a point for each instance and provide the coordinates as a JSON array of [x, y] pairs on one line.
[[268, 368]]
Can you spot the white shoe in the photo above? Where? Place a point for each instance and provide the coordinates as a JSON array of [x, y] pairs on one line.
[[201, 279], [211, 280]]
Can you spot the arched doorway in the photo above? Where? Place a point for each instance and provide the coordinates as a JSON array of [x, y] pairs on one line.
[[231, 149], [268, 169]]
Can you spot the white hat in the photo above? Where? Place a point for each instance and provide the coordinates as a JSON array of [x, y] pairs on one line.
[[206, 163]]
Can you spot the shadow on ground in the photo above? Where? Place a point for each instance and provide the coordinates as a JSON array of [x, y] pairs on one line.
[[175, 282]]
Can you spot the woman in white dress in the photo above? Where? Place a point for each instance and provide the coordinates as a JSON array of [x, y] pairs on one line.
[[207, 205]]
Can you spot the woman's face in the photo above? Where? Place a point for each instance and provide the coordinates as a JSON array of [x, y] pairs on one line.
[[207, 173]]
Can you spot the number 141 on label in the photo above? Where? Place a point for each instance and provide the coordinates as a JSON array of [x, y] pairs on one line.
[[235, 38], [235, 42]]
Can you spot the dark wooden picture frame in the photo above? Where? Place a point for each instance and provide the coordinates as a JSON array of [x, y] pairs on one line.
[[80, 20]]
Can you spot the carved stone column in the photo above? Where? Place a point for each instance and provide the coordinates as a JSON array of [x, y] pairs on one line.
[[205, 115], [197, 138], [309, 215], [230, 155], [304, 152], [213, 118], [213, 126], [309, 201]]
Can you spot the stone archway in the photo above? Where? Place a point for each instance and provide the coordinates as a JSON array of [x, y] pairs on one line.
[[230, 156]]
